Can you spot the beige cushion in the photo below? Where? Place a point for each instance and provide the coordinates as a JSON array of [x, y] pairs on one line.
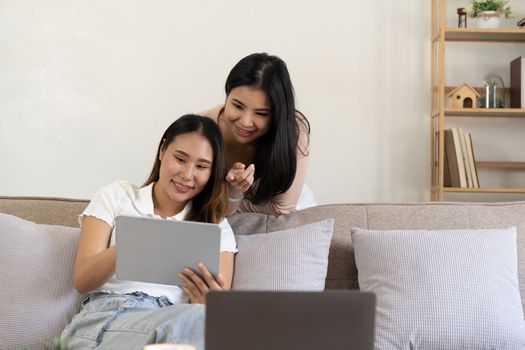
[[37, 300], [289, 260], [442, 289]]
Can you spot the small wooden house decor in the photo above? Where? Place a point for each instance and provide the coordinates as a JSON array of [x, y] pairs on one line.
[[464, 96]]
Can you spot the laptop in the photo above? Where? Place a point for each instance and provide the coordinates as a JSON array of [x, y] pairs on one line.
[[155, 250], [334, 320]]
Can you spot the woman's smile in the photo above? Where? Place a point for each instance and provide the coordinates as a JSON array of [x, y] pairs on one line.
[[180, 187], [243, 132]]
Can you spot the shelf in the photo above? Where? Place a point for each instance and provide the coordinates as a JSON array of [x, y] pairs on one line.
[[440, 114], [485, 112], [484, 190], [480, 90], [485, 35], [501, 165]]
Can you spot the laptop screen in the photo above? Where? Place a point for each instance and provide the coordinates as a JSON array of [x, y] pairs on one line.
[[335, 320]]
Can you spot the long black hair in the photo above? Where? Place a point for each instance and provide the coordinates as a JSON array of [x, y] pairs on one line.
[[275, 156], [210, 204]]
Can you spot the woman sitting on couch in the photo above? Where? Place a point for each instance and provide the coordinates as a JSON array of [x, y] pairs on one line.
[[187, 182]]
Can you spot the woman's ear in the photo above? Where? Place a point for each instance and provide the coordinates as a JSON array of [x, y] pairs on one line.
[[161, 149]]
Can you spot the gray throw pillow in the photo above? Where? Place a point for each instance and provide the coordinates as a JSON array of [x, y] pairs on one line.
[[443, 289], [290, 260], [37, 299]]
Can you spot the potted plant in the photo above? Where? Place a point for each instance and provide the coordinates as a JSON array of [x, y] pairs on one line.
[[487, 12]]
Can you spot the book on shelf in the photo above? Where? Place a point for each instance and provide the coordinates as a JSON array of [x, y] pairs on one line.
[[471, 160], [517, 83], [468, 174], [460, 159], [446, 179], [451, 175], [454, 156]]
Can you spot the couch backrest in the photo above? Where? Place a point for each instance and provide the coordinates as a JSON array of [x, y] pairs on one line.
[[49, 211], [342, 272]]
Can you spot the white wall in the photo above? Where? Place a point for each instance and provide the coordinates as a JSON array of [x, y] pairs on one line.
[[87, 87]]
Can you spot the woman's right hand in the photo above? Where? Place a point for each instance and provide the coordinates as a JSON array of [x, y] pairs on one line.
[[240, 179], [94, 261]]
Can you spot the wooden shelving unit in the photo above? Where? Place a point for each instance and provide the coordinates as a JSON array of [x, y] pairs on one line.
[[440, 35]]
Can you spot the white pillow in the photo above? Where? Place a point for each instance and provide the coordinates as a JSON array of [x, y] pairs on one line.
[[37, 299], [291, 260], [444, 289]]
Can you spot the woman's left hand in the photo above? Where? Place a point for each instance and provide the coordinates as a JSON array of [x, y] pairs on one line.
[[197, 286]]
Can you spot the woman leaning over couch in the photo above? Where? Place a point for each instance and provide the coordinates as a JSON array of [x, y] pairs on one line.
[[266, 138]]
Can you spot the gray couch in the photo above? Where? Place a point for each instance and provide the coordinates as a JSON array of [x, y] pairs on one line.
[[342, 271]]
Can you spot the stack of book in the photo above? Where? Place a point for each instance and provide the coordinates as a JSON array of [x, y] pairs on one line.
[[460, 164]]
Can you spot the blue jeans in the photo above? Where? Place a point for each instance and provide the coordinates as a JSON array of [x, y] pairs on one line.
[[130, 321]]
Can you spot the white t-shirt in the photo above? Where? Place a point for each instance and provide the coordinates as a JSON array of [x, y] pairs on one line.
[[123, 198]]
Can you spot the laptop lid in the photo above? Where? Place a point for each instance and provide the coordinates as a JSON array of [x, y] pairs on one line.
[[335, 320], [155, 250]]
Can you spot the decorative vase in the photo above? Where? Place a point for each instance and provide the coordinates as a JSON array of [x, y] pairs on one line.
[[488, 19], [493, 95]]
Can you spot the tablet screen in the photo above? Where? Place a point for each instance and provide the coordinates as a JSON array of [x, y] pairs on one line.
[[156, 250]]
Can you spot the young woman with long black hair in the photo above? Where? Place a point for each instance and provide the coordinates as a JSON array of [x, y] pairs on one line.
[[266, 138], [187, 182]]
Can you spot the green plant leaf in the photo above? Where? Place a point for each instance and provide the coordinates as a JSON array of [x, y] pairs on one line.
[[501, 6]]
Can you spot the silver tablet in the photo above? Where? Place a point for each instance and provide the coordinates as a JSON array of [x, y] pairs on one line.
[[156, 250]]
